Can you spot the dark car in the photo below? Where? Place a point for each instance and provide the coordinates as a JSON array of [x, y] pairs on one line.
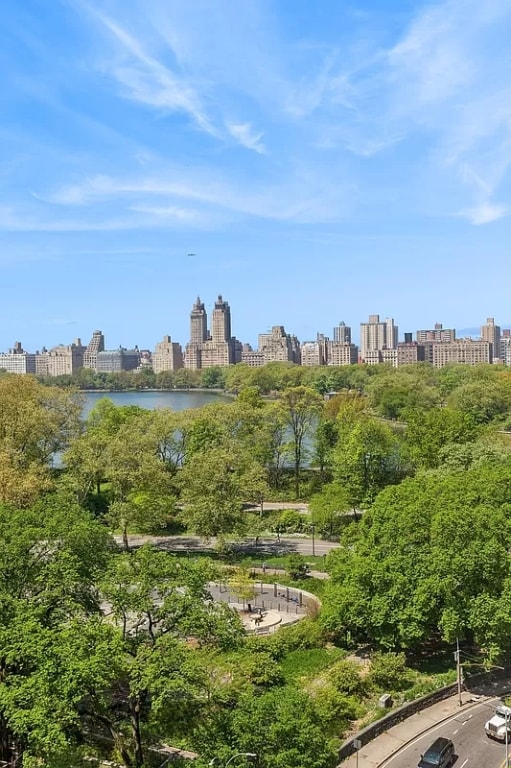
[[439, 755]]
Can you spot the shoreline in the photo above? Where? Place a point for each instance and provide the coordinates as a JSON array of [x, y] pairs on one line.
[[188, 390]]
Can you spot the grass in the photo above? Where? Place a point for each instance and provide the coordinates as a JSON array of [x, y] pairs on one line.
[[308, 663]]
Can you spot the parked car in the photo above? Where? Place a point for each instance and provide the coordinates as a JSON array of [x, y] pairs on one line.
[[439, 755]]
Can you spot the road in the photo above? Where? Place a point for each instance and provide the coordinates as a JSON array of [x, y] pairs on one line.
[[264, 548], [466, 729]]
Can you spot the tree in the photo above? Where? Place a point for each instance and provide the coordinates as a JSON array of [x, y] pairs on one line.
[[425, 555], [51, 558], [367, 458], [158, 602], [283, 728], [427, 433], [330, 509], [301, 407], [215, 484], [36, 422]]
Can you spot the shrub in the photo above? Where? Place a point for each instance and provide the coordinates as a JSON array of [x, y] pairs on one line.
[[335, 709], [345, 677], [290, 521], [389, 671], [297, 567], [304, 635]]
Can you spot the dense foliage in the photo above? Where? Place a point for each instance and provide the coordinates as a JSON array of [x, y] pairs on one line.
[[409, 469]]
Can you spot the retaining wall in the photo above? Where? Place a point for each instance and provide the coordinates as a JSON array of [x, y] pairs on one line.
[[496, 682], [370, 732]]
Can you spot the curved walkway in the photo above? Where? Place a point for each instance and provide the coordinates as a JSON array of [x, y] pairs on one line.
[[270, 607]]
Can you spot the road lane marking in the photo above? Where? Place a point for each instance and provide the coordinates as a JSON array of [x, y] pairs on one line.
[[410, 744], [464, 762], [455, 732]]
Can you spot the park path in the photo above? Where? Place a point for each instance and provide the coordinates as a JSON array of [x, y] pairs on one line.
[[265, 547]]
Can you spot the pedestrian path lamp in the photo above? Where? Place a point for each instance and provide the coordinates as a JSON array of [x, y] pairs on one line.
[[249, 755]]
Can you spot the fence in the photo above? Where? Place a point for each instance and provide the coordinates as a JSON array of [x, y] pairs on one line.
[[268, 597]]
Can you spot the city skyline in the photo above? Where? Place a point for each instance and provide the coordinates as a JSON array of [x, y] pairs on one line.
[[201, 320], [335, 156]]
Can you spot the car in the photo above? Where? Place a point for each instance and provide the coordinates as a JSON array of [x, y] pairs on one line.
[[439, 755]]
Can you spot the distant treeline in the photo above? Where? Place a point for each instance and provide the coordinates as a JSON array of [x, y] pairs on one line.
[[391, 391]]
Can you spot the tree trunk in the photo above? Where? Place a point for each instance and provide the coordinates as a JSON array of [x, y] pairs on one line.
[[125, 540], [135, 731]]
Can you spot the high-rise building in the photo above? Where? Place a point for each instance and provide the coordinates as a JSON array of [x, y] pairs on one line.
[[314, 352], [376, 336], [218, 349], [198, 323], [277, 345], [221, 321], [341, 353], [391, 334], [438, 333], [95, 345], [168, 356], [505, 346], [491, 333], [409, 351], [342, 333]]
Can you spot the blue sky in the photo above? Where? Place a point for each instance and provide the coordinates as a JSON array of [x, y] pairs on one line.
[[322, 161]]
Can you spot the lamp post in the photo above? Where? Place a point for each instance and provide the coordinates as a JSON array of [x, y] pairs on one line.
[[313, 528], [250, 755], [459, 672], [507, 740]]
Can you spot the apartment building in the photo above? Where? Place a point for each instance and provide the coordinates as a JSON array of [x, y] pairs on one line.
[[114, 360], [279, 346], [314, 352], [409, 352], [375, 336], [251, 357], [95, 345], [466, 351], [341, 353], [16, 360], [218, 348], [167, 356], [491, 333], [342, 333], [64, 360], [438, 333]]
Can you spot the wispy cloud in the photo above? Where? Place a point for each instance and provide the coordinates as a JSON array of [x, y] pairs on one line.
[[300, 198], [147, 80], [246, 136], [449, 83]]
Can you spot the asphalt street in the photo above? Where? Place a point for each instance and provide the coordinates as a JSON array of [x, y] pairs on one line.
[[265, 546], [466, 729]]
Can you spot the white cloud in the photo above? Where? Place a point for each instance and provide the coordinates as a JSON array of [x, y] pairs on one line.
[[245, 135], [485, 213]]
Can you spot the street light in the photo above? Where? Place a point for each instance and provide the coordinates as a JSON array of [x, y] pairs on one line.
[[507, 740], [313, 528], [251, 755]]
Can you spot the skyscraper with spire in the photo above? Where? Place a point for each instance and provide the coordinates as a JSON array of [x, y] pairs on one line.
[[198, 323], [219, 348]]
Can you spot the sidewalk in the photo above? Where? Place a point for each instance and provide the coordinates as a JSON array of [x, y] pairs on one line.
[[386, 744]]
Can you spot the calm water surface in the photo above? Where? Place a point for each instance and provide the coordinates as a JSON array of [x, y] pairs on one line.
[[176, 401]]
